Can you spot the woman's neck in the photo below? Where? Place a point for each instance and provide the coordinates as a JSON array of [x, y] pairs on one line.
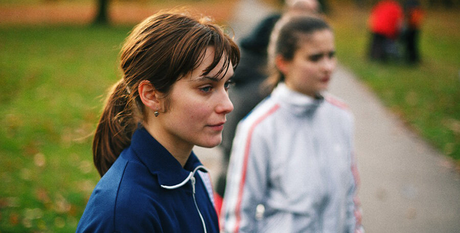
[[180, 151]]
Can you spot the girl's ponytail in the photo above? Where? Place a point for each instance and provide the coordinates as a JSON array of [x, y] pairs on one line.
[[115, 128]]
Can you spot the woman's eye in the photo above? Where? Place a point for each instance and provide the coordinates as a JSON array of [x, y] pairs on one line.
[[206, 89], [315, 57], [331, 54], [229, 84]]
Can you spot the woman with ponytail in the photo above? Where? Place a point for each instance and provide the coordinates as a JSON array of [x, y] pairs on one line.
[[292, 167], [173, 95]]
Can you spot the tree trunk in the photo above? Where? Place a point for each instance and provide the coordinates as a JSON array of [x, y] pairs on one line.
[[102, 17]]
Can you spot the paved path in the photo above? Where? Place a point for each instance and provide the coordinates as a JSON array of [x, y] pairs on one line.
[[406, 185]]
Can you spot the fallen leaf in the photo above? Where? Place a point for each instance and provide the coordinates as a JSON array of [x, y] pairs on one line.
[[39, 159]]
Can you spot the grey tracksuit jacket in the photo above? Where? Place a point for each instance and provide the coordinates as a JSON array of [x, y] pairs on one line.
[[293, 155]]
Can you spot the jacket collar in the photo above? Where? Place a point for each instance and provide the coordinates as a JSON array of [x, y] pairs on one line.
[[297, 102], [161, 163]]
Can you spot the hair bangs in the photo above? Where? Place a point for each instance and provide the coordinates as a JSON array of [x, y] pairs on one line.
[[224, 48]]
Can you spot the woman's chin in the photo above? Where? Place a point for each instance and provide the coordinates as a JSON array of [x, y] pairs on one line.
[[210, 143]]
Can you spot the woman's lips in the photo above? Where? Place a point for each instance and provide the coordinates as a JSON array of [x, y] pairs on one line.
[[218, 126]]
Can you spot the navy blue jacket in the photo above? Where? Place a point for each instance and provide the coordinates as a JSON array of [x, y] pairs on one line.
[[147, 190]]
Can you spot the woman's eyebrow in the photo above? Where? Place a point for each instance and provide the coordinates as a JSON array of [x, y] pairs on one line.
[[204, 78], [212, 78]]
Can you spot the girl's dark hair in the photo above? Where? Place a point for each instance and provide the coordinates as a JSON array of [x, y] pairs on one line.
[[287, 37], [162, 49]]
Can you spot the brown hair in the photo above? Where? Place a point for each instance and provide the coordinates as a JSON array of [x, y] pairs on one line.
[[162, 49], [289, 32]]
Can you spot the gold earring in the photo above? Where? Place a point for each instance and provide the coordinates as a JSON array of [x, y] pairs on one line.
[[156, 113]]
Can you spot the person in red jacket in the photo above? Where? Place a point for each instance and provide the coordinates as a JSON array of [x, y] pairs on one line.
[[385, 23]]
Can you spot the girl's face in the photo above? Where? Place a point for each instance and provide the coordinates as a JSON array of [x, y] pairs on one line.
[[197, 107], [314, 61]]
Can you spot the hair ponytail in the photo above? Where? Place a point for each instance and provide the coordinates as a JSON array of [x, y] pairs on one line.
[[115, 128]]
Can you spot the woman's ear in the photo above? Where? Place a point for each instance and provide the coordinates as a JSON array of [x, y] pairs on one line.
[[150, 97], [282, 64]]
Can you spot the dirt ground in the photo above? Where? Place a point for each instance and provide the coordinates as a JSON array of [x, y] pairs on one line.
[[120, 13]]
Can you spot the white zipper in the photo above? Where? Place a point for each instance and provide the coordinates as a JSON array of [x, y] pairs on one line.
[[196, 205]]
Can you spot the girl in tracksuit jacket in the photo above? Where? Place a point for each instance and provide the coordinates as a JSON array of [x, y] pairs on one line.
[[292, 167], [172, 97]]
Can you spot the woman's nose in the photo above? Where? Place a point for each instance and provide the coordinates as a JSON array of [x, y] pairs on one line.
[[225, 105], [329, 64]]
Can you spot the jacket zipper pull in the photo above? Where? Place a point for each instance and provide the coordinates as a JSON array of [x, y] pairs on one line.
[[193, 184]]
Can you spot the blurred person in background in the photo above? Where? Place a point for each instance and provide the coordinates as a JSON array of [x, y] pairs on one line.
[[292, 167], [385, 23], [413, 17], [251, 72], [173, 95]]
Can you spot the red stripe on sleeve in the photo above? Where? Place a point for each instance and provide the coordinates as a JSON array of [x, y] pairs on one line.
[[245, 165]]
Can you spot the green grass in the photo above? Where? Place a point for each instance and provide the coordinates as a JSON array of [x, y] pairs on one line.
[[427, 96], [51, 88]]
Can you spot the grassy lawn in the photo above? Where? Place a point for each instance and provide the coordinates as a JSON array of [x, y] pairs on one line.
[[427, 96], [52, 83], [52, 80]]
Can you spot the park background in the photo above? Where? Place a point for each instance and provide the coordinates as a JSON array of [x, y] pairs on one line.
[[56, 65]]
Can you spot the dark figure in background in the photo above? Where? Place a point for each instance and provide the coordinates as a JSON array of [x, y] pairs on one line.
[[385, 23], [251, 72], [246, 93], [413, 15]]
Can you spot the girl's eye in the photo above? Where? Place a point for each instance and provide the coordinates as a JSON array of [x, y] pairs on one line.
[[229, 84], [315, 57], [331, 54], [206, 89]]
